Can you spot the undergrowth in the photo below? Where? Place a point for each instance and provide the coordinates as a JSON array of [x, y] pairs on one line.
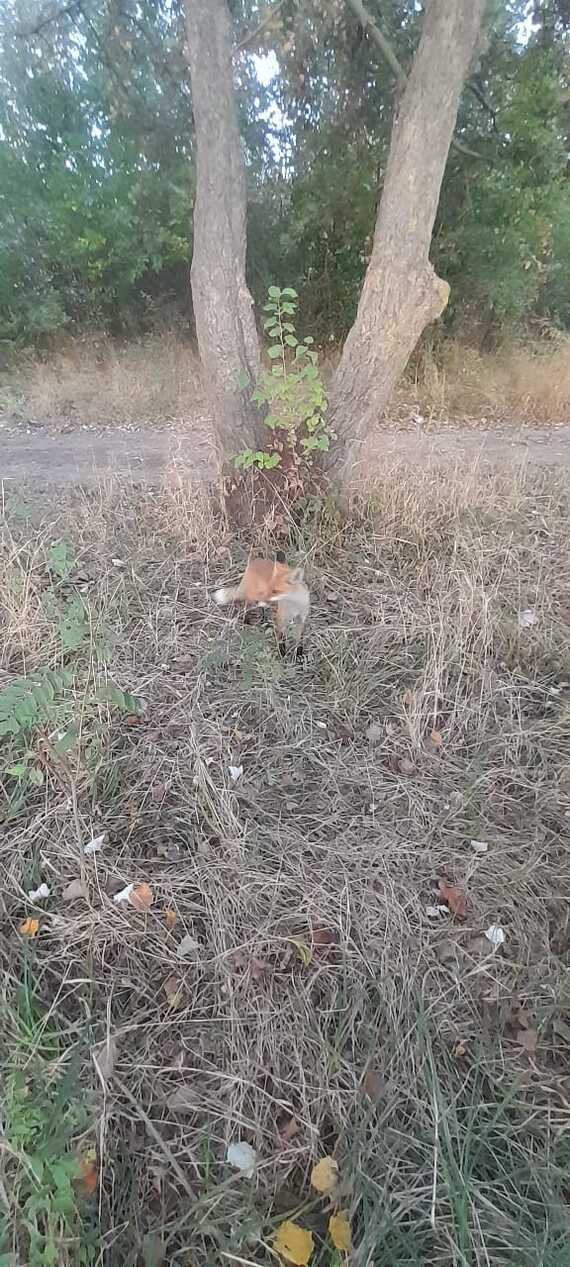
[[285, 982]]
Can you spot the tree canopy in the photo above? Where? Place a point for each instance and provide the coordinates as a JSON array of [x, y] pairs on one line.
[[97, 164]]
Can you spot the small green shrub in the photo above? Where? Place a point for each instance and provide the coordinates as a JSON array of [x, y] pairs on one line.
[[291, 390]]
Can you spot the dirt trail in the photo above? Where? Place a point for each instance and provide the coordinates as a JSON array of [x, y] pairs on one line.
[[43, 460]]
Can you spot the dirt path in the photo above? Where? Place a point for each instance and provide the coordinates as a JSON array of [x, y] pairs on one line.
[[44, 460]]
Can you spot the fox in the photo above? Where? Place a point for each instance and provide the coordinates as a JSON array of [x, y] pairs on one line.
[[268, 583]]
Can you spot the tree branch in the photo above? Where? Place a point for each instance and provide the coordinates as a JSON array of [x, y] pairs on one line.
[[369, 23], [251, 38], [54, 15]]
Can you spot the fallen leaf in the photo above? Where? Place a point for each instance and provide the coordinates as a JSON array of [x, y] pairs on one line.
[[288, 1127], [374, 1085], [528, 1039], [324, 937], [460, 1050], [35, 895], [103, 1057], [375, 733], [480, 846], [527, 618], [495, 935], [454, 897], [142, 897], [302, 949], [29, 927], [293, 1243], [188, 948], [86, 1184], [94, 845], [74, 890], [340, 1234], [236, 772], [437, 738], [242, 1157], [170, 918], [324, 1176], [132, 720]]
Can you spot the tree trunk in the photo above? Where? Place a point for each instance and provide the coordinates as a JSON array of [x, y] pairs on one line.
[[225, 324], [401, 292]]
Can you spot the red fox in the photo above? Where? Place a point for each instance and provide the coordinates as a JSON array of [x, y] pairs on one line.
[[264, 583]]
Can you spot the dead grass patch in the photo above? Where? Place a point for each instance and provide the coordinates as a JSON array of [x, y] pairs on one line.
[[95, 382], [315, 990]]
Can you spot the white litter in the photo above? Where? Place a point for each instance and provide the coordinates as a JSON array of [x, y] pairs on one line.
[[94, 844], [35, 895], [495, 935], [236, 772], [480, 846], [188, 948], [527, 618], [118, 563], [434, 912], [124, 894], [242, 1157]]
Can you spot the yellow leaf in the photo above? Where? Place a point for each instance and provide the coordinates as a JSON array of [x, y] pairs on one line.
[[339, 1231], [29, 927], [293, 1243], [304, 952], [170, 918], [141, 897], [324, 1176]]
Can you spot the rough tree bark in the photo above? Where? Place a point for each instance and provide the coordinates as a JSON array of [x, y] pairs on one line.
[[401, 292], [225, 324]]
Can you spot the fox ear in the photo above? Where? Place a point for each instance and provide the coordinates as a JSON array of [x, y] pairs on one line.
[[297, 574]]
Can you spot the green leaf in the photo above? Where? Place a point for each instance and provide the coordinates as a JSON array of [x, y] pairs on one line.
[[269, 321], [288, 290], [36, 776], [274, 351], [275, 333], [309, 338], [270, 307], [288, 325], [243, 380], [272, 461], [274, 292], [18, 770], [291, 341], [289, 309]]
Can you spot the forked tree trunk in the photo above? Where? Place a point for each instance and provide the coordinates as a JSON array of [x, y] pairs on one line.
[[225, 325], [401, 292]]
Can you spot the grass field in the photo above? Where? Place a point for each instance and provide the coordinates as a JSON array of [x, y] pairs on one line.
[[281, 979], [96, 382]]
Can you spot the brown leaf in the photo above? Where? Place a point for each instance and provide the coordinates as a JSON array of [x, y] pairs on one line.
[[86, 1184], [454, 898], [288, 1127], [170, 918], [174, 991], [527, 1039], [142, 897], [75, 890], [324, 937], [132, 720], [437, 738], [374, 1085], [29, 927]]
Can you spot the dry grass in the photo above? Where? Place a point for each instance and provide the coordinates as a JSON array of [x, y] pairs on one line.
[[521, 384], [95, 382], [319, 990], [157, 380]]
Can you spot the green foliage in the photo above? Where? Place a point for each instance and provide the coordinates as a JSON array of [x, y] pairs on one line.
[[43, 1117], [291, 389]]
